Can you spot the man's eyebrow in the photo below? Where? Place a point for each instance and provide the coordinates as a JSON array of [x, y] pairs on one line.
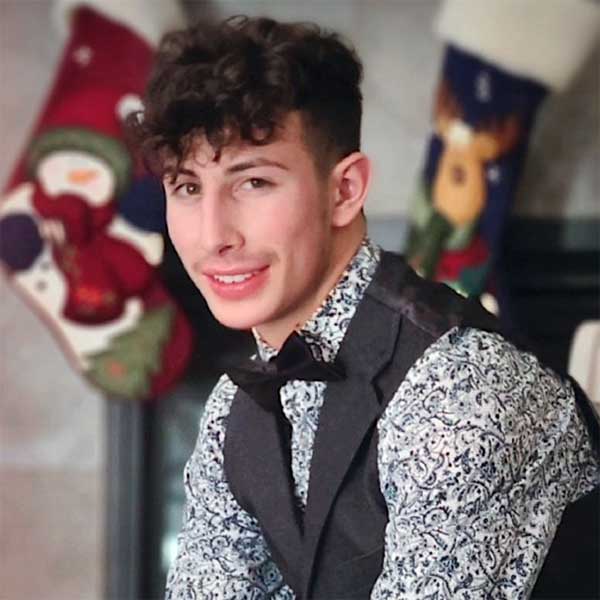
[[184, 171], [255, 162], [172, 175]]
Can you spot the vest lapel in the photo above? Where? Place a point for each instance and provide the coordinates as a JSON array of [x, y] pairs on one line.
[[258, 468], [350, 409]]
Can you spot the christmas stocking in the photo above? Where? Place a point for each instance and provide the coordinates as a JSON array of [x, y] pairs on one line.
[[81, 222], [502, 58]]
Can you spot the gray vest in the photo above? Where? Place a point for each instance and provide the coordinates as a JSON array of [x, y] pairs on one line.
[[335, 548]]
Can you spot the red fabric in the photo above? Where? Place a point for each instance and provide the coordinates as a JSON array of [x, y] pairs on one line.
[[85, 95], [81, 220], [453, 262], [102, 272]]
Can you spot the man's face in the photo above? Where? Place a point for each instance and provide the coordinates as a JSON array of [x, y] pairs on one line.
[[253, 229]]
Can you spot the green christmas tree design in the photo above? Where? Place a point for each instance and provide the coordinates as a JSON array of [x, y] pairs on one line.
[[126, 367]]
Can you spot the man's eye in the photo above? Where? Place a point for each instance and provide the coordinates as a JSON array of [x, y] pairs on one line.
[[190, 189], [185, 190], [255, 183]]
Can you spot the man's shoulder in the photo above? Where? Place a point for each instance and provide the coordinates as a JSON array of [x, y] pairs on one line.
[[477, 359], [473, 398], [478, 378], [432, 307], [493, 358], [480, 347]]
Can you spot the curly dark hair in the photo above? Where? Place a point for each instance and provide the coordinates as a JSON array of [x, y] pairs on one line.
[[239, 79]]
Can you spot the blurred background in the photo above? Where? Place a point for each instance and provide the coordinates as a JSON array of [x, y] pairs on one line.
[[90, 485]]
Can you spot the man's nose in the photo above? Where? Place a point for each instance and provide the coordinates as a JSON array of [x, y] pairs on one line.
[[219, 226]]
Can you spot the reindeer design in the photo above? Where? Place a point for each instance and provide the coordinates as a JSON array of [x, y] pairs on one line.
[[459, 190]]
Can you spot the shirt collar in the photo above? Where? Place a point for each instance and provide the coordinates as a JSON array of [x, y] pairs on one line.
[[325, 330]]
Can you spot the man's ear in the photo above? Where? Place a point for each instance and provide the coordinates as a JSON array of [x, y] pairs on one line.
[[350, 179]]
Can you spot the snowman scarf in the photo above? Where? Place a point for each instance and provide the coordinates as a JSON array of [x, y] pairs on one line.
[[101, 271]]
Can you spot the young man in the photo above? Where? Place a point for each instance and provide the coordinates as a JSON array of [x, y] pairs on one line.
[[386, 442]]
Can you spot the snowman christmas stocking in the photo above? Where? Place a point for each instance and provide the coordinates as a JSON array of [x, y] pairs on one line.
[[502, 58], [81, 223]]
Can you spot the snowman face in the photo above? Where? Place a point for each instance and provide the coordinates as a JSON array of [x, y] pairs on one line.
[[77, 172]]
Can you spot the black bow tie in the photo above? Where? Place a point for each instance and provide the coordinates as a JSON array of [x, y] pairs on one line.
[[262, 380]]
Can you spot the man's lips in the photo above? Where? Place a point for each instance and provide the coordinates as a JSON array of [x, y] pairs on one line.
[[233, 271], [236, 283]]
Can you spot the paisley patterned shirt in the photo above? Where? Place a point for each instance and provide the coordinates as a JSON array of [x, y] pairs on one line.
[[479, 451]]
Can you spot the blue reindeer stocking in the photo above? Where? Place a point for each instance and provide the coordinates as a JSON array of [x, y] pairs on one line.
[[500, 63]]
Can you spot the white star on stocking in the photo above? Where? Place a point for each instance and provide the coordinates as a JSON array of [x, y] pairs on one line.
[[483, 87], [83, 55]]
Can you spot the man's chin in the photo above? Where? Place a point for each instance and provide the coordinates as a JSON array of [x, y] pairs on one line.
[[235, 317]]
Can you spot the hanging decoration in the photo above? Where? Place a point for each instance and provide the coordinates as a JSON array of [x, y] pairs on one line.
[[501, 60], [81, 222]]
